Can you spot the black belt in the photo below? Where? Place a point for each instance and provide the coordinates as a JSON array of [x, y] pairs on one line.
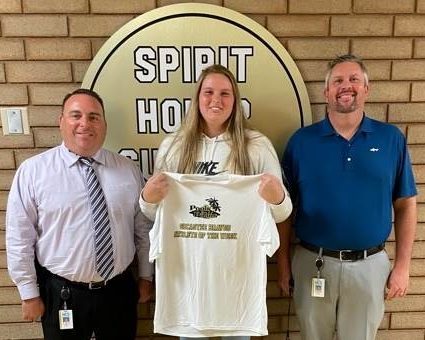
[[85, 285], [344, 255]]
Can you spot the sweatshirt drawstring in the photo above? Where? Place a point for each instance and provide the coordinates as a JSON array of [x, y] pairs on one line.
[[212, 150]]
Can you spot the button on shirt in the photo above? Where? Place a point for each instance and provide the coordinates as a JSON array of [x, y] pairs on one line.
[[48, 206]]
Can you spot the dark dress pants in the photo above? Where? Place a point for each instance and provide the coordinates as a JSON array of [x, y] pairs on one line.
[[110, 312]]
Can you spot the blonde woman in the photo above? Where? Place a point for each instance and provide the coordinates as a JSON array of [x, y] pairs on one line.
[[214, 139]]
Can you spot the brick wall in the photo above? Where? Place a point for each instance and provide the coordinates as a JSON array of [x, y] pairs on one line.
[[46, 46]]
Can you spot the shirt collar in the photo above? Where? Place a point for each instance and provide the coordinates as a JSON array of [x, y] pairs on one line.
[[326, 128], [71, 158]]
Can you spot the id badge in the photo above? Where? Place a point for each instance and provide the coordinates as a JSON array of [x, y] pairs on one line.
[[65, 319], [317, 287]]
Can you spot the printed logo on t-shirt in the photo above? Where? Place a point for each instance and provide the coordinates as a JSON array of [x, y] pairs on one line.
[[207, 168], [210, 210]]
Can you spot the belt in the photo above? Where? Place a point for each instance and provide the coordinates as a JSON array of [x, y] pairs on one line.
[[86, 285], [344, 255]]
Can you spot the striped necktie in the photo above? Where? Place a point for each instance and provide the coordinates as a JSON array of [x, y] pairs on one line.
[[102, 229]]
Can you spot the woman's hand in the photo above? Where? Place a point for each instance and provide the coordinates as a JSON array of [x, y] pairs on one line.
[[155, 189], [271, 189]]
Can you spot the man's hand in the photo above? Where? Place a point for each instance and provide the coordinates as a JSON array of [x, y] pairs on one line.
[[397, 283], [145, 290], [32, 309]]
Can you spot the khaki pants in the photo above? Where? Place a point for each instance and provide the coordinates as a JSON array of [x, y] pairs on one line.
[[353, 305]]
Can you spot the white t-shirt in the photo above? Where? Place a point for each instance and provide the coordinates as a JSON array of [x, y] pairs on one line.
[[210, 240]]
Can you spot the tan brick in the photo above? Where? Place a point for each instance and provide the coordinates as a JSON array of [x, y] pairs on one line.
[[45, 94], [273, 291], [19, 141], [79, 69], [318, 112], [416, 134], [418, 251], [383, 48], [408, 70], [10, 6], [6, 177], [11, 313], [22, 155], [421, 193], [408, 303], [419, 172], [277, 306], [122, 6], [315, 92], [421, 216], [385, 321], [417, 285], [34, 25], [409, 25], [252, 6], [28, 330], [161, 3], [421, 6], [417, 153], [97, 43], [3, 261], [313, 70], [420, 231], [417, 266], [389, 91], [376, 111], [55, 6], [399, 6], [319, 48], [11, 49], [96, 25], [9, 295], [44, 115], [297, 25], [52, 48], [408, 320], [2, 73], [410, 112], [419, 49], [2, 243], [418, 92], [47, 137], [260, 19], [361, 25], [7, 161], [144, 327], [3, 220], [400, 335], [12, 94], [3, 204], [38, 71], [319, 6], [379, 69]]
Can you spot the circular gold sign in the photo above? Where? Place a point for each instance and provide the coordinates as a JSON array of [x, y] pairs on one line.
[[146, 74]]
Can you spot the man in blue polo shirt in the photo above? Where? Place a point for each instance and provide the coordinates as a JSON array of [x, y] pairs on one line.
[[347, 173]]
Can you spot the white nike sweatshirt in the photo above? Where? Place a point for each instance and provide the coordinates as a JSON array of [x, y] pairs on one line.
[[213, 160]]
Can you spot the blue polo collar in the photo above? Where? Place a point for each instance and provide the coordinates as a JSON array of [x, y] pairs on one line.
[[326, 128]]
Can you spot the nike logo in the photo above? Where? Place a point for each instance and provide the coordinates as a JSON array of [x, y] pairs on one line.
[[373, 149]]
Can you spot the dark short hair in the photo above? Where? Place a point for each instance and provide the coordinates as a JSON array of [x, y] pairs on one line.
[[351, 58], [87, 92]]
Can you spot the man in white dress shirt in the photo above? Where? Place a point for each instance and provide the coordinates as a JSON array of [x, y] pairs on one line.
[[50, 238]]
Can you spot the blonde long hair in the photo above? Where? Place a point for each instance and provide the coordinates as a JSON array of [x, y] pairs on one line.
[[190, 132]]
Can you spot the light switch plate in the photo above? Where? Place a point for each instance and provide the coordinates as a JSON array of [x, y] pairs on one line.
[[14, 120]]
